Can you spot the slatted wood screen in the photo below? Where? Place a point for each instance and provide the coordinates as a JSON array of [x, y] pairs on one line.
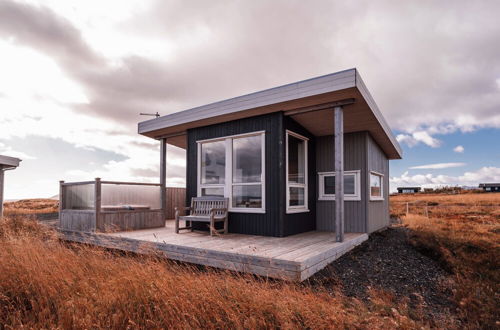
[[176, 197]]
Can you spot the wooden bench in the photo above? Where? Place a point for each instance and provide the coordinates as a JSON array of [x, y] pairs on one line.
[[208, 209]]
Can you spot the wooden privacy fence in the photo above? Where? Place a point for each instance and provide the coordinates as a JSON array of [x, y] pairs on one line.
[[176, 197]]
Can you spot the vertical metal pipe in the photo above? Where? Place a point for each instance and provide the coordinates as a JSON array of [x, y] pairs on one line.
[[163, 177], [339, 172]]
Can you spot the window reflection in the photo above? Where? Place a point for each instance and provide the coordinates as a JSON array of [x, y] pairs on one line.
[[375, 185], [349, 184], [212, 192], [248, 196], [247, 159], [213, 162], [297, 196], [296, 160]]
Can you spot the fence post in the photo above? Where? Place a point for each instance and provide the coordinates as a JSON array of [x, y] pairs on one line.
[[61, 199], [426, 209], [407, 209], [97, 203]]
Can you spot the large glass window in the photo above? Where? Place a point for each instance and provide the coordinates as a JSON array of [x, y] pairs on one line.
[[213, 162], [351, 185], [240, 177], [247, 160], [376, 186], [247, 172], [296, 158]]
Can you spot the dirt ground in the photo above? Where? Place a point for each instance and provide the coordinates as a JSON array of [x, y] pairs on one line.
[[388, 262]]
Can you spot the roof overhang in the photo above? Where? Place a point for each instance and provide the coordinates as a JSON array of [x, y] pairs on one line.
[[315, 97], [8, 162]]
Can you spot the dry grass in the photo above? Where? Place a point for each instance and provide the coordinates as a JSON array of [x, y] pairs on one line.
[[469, 208], [465, 239], [45, 284], [31, 206], [463, 198]]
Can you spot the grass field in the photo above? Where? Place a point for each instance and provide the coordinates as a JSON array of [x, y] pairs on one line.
[[31, 206], [45, 283], [462, 232]]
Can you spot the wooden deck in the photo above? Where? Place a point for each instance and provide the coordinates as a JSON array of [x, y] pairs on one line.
[[293, 258]]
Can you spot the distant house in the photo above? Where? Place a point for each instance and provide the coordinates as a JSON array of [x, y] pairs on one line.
[[6, 163], [275, 155], [490, 187], [408, 190]]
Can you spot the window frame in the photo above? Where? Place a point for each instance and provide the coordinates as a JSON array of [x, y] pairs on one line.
[[347, 197], [228, 185], [305, 185], [376, 198]]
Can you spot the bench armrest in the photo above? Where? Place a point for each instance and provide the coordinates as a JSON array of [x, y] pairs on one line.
[[178, 209]]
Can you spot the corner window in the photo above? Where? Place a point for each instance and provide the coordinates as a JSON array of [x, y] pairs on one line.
[[233, 167], [352, 186], [376, 186], [296, 173]]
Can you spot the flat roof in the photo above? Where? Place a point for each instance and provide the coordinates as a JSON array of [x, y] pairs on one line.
[[7, 161], [362, 115]]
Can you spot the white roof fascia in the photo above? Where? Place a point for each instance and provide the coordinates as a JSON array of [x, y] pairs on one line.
[[319, 85]]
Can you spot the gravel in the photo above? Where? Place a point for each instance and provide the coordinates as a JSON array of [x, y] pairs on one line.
[[388, 262]]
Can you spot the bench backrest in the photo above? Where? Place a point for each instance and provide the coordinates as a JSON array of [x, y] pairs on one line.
[[203, 205]]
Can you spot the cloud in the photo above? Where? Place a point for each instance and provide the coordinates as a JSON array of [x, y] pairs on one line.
[[418, 137], [438, 166], [91, 69], [459, 149], [6, 150], [447, 68], [471, 178]]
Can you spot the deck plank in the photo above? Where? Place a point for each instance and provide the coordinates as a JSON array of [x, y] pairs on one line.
[[294, 257]]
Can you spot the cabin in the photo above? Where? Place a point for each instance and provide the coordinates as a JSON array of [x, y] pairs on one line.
[[276, 154], [408, 190], [273, 159], [490, 187], [6, 163]]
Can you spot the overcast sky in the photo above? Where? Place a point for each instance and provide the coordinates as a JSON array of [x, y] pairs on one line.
[[74, 75]]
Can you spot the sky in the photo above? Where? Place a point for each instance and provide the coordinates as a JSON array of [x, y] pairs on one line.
[[74, 76]]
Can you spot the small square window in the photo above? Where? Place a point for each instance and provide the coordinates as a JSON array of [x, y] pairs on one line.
[[376, 186], [351, 186]]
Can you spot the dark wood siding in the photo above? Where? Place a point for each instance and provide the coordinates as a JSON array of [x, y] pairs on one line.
[[294, 223], [267, 224], [354, 159], [378, 211]]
